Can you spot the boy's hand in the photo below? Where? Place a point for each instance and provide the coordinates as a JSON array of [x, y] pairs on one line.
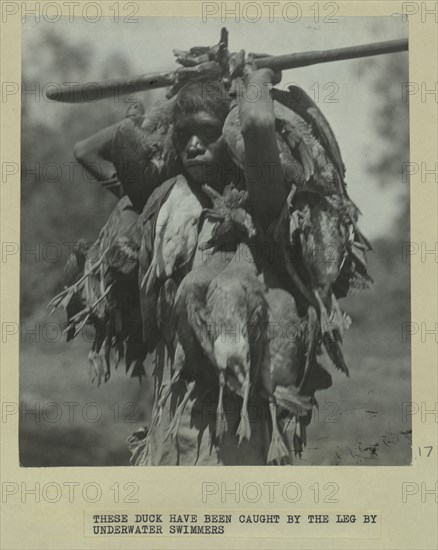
[[267, 75], [249, 71]]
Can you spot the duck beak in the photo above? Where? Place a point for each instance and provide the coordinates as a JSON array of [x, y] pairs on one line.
[[212, 193], [252, 231], [213, 215], [205, 246]]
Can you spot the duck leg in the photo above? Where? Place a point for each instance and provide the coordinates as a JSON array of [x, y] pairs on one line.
[[325, 321], [285, 429], [96, 367], [221, 421], [312, 338], [167, 390], [277, 449], [102, 279], [92, 367], [165, 394], [176, 420], [340, 319], [244, 429], [332, 338], [83, 316], [105, 354], [64, 297], [299, 437]]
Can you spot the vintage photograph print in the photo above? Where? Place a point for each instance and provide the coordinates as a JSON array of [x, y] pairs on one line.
[[215, 243]]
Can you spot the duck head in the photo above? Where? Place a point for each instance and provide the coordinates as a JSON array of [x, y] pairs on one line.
[[234, 223]]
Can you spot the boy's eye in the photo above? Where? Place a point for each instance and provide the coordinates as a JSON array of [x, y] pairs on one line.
[[209, 135], [181, 136]]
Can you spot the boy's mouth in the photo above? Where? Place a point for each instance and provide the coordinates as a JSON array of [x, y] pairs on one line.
[[196, 169], [194, 162]]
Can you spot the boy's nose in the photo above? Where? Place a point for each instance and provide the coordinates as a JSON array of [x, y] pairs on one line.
[[195, 147]]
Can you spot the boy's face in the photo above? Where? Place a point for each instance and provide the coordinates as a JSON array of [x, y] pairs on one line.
[[198, 141]]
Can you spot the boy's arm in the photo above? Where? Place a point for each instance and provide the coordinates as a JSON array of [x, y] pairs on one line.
[[263, 172], [94, 153]]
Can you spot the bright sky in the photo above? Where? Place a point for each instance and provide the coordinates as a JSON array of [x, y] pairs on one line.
[[149, 45]]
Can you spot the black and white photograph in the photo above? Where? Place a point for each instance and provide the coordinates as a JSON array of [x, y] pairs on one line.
[[215, 243]]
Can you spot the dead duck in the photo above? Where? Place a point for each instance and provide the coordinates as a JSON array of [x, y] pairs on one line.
[[319, 218], [289, 353], [74, 269], [108, 294], [176, 234], [236, 309], [222, 227], [143, 152]]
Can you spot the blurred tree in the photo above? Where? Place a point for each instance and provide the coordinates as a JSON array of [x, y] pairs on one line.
[[388, 74], [59, 202], [388, 303]]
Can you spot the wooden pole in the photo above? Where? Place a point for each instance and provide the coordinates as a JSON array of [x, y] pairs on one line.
[[304, 59], [91, 91]]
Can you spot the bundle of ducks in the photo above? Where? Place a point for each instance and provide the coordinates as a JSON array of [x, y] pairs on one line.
[[186, 275]]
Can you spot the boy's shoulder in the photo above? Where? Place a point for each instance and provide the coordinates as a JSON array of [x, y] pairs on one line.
[[158, 197]]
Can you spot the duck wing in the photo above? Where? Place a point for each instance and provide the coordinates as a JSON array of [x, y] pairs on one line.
[[298, 101], [176, 233], [143, 153]]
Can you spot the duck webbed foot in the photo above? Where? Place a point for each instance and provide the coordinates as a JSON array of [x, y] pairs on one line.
[[340, 320], [221, 420], [173, 429], [278, 453], [244, 429], [324, 319], [166, 391]]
